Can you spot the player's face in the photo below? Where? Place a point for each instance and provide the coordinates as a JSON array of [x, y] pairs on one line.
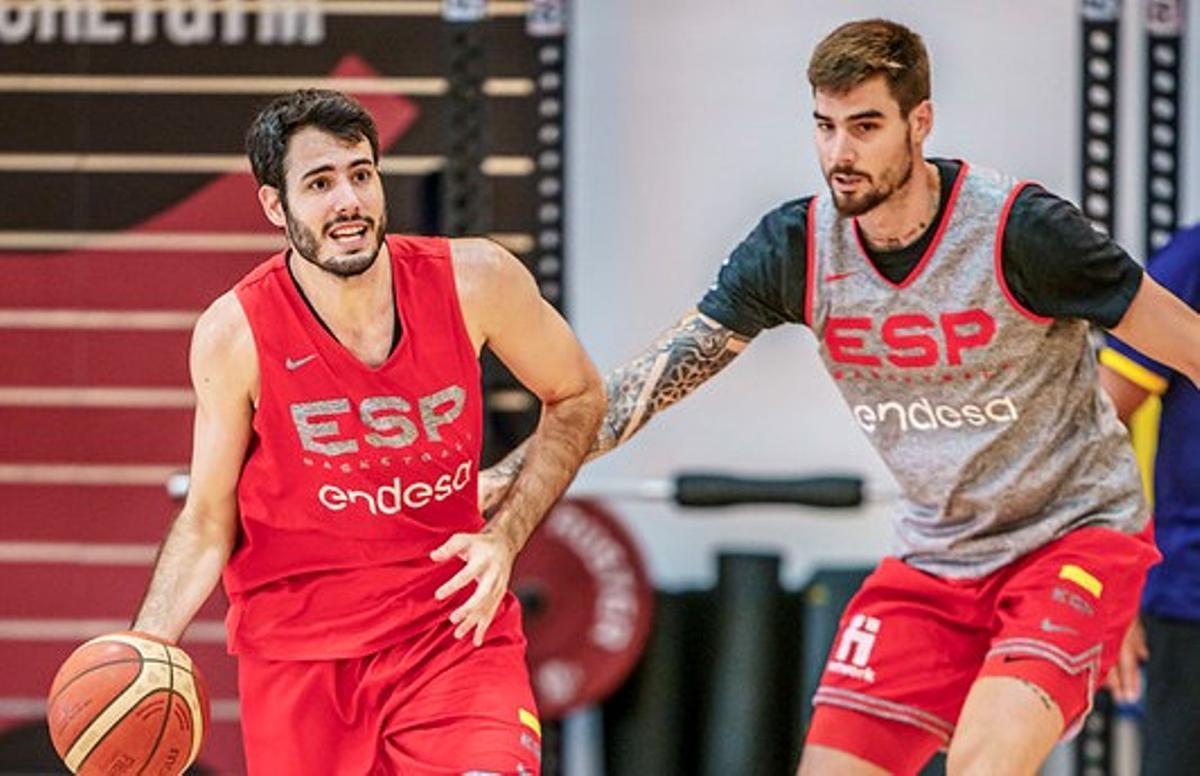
[[335, 213], [867, 149]]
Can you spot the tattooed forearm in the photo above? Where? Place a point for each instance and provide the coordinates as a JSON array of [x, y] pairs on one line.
[[686, 355], [680, 360]]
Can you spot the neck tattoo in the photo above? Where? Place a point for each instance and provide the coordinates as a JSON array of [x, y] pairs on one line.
[[909, 236]]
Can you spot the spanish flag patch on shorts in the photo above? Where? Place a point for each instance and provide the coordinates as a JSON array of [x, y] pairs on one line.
[[1082, 578]]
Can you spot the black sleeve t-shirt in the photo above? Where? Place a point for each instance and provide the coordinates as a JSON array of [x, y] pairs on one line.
[[1054, 262]]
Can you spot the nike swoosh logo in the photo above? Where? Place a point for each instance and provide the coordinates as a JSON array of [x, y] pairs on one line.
[[839, 276], [1049, 626], [294, 364]]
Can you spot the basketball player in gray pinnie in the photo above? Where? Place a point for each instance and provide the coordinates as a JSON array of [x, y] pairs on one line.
[[951, 305]]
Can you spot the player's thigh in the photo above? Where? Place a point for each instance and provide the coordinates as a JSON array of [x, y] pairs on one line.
[[1172, 730], [475, 715], [1008, 726], [300, 718]]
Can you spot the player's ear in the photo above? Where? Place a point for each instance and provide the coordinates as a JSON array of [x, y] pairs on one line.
[[272, 205], [920, 121]]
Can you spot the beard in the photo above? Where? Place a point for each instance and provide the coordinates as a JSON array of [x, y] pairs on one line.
[[891, 180], [306, 243]]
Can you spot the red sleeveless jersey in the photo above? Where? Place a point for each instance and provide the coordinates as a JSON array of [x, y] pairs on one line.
[[354, 474]]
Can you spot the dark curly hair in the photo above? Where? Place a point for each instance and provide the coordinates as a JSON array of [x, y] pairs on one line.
[[333, 112]]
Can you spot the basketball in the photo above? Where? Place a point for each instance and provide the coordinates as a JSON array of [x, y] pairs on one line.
[[128, 703]]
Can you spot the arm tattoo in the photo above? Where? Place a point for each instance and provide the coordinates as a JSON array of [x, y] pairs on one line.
[[675, 365]]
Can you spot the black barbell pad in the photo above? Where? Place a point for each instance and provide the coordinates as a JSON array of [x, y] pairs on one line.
[[717, 490]]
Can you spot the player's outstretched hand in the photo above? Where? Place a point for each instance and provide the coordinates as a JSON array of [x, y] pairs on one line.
[[487, 560], [1124, 680]]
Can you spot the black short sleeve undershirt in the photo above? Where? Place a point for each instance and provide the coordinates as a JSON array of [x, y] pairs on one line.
[[1054, 262], [1058, 266], [761, 284]]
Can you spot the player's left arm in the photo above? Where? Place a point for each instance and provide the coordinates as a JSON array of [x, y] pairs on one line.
[[504, 310], [1057, 265], [1160, 325]]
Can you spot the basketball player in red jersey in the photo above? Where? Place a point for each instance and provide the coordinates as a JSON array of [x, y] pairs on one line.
[[951, 306], [334, 473]]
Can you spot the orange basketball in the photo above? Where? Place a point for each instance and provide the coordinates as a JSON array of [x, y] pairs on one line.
[[128, 703]]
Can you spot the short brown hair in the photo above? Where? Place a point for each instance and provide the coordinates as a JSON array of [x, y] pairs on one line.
[[859, 51]]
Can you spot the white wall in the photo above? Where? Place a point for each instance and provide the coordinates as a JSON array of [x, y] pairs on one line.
[[689, 119]]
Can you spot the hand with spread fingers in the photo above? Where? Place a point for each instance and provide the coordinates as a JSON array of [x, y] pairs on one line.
[[487, 560]]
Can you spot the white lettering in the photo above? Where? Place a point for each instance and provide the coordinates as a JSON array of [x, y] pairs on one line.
[[865, 417], [233, 23], [974, 415], [1001, 410], [332, 498], [73, 23], [47, 24], [290, 22], [924, 415], [884, 408], [418, 494], [462, 475], [187, 26], [442, 489], [396, 496], [948, 416], [863, 674], [393, 504], [859, 636], [144, 27], [924, 422], [16, 23], [178, 22]]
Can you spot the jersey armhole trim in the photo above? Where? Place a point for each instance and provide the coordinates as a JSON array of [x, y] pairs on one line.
[[999, 257]]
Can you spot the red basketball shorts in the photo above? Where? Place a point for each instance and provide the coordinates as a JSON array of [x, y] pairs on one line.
[[467, 711], [910, 644]]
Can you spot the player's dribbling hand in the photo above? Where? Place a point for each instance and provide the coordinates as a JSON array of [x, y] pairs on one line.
[[487, 559], [1124, 680]]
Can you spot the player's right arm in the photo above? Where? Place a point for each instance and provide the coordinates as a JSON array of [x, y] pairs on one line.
[[224, 373], [677, 363], [760, 286]]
